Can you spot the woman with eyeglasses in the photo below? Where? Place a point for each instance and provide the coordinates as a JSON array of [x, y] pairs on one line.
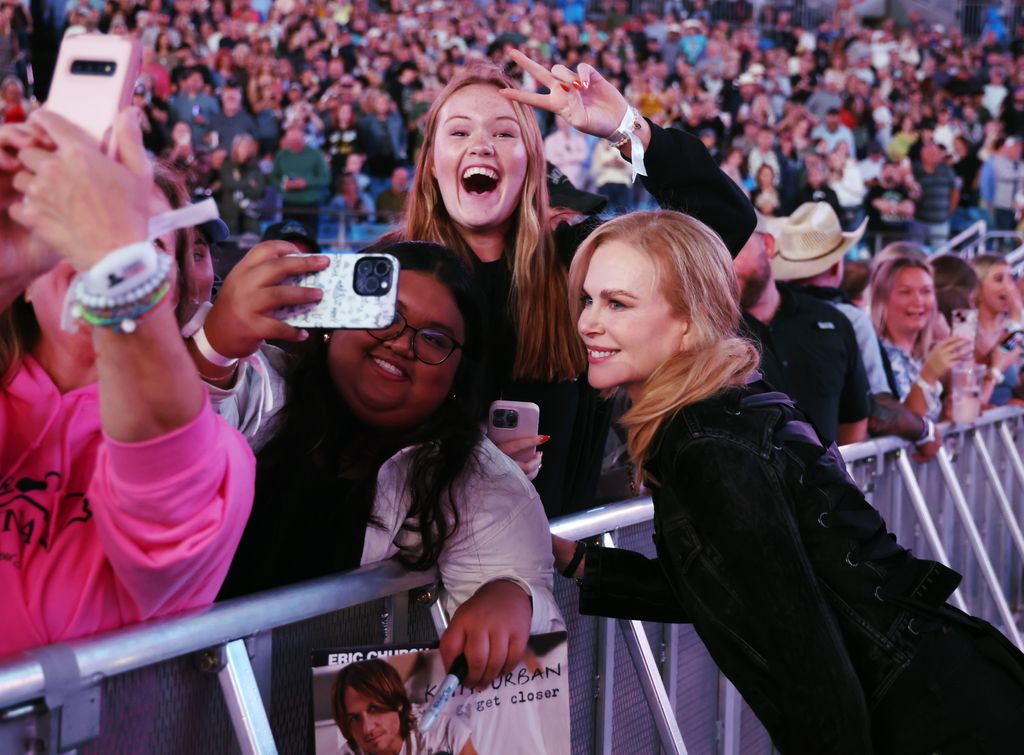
[[378, 453]]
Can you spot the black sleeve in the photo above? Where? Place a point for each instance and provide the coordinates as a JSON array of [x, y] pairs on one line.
[[682, 175], [623, 584], [855, 400], [740, 550]]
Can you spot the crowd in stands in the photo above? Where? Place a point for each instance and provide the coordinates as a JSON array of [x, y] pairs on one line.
[[150, 432], [915, 127]]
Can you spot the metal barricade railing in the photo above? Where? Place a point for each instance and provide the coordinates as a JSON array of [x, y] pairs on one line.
[[635, 686]]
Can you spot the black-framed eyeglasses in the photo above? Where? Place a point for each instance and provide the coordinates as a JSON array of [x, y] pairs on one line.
[[429, 345]]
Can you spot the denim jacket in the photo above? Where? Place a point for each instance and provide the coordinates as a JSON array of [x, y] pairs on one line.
[[802, 597]]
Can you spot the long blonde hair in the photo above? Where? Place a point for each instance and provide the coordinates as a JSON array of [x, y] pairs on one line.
[[547, 347], [697, 279], [883, 280]]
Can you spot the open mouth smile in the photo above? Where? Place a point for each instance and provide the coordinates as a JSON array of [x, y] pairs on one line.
[[479, 180]]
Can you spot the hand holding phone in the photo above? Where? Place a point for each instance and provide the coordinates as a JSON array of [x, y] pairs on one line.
[[513, 420], [359, 291], [965, 324], [94, 80], [243, 316]]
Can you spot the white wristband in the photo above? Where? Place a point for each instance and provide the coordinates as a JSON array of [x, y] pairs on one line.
[[629, 130], [121, 271], [209, 353]]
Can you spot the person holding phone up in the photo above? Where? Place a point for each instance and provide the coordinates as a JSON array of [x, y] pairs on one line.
[[480, 189], [127, 492], [369, 447]]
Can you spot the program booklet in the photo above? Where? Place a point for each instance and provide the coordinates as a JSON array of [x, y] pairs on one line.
[[370, 700]]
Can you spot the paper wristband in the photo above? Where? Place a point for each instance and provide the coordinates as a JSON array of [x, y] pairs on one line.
[[209, 353], [636, 147]]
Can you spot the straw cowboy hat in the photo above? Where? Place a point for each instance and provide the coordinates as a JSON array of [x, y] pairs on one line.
[[809, 241]]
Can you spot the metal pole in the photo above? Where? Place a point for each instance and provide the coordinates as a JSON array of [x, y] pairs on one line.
[[924, 516], [1000, 491], [605, 686], [1012, 452], [248, 716], [650, 679], [604, 718], [651, 685], [974, 538], [731, 719]]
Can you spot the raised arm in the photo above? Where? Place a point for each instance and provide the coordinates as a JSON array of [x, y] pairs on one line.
[[680, 172], [84, 205]]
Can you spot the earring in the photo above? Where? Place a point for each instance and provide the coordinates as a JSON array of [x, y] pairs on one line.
[[327, 337]]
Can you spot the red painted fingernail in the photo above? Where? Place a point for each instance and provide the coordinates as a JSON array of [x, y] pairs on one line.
[[564, 86], [578, 84], [543, 439]]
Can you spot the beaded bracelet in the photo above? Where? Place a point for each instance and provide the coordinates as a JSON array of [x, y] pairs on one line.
[[122, 312], [123, 320]]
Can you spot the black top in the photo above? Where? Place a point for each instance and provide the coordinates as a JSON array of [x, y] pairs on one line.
[[327, 517], [810, 352], [681, 176], [793, 582]]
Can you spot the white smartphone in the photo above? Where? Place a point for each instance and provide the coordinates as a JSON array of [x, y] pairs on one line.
[[360, 291], [508, 420], [965, 324], [94, 80]]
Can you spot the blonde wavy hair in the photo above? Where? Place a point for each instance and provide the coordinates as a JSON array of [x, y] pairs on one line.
[[696, 277], [547, 347], [883, 281]]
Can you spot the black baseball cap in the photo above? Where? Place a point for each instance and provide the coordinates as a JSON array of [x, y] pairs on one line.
[[291, 230], [563, 194]]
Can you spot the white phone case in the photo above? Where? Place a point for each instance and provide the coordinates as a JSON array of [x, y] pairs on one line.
[[526, 422], [93, 81], [347, 302]]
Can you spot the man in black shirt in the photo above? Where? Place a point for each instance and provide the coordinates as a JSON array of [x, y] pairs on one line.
[[809, 349]]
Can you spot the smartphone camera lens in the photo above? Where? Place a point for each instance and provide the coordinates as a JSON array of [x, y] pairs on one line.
[[373, 276]]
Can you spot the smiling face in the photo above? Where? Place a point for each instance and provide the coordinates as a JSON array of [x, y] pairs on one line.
[[911, 303], [382, 382], [628, 326], [479, 158], [995, 294], [377, 730]]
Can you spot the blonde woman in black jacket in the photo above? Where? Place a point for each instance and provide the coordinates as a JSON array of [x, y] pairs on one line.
[[839, 639]]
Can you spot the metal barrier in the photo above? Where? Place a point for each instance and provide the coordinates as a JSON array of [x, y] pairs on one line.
[[235, 677]]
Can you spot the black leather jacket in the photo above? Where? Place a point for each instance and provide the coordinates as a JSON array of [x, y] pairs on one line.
[[765, 544]]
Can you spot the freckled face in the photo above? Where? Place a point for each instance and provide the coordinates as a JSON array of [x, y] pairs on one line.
[[479, 158]]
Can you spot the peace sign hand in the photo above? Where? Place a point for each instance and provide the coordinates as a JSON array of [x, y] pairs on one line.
[[585, 99]]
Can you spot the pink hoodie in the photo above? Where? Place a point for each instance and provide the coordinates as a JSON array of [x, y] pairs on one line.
[[96, 534]]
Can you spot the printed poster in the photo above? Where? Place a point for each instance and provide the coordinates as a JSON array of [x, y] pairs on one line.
[[370, 701]]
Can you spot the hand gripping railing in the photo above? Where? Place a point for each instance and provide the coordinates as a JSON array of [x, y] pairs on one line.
[[224, 627]]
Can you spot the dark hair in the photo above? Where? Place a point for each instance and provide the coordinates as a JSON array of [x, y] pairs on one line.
[[319, 437], [856, 275], [378, 681], [955, 283]]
